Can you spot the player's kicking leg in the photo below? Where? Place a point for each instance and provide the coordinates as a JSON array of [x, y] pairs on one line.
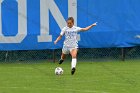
[[65, 51], [74, 60], [63, 56]]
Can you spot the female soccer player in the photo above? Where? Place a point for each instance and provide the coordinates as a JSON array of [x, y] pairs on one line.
[[71, 42]]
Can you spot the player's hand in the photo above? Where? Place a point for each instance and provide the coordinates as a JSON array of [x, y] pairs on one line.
[[55, 42], [94, 24]]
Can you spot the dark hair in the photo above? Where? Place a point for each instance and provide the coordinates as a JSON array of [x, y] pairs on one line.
[[71, 18]]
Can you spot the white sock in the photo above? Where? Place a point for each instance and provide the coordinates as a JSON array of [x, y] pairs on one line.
[[73, 63]]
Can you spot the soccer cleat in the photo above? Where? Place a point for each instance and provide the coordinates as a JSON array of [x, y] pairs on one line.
[[61, 61], [73, 71]]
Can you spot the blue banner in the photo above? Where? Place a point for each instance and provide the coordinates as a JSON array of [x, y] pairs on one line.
[[35, 24]]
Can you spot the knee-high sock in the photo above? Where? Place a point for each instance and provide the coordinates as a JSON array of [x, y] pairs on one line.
[[73, 63]]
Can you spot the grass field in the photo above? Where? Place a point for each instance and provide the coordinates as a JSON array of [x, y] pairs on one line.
[[90, 77]]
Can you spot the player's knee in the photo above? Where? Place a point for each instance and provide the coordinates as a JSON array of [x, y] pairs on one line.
[[74, 56]]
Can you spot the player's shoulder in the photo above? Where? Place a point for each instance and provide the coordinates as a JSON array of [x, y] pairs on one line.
[[65, 28], [76, 27]]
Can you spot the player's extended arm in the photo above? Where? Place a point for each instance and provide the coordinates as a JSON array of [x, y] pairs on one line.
[[89, 27], [59, 38]]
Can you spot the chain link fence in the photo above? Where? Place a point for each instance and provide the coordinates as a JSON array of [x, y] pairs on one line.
[[84, 54]]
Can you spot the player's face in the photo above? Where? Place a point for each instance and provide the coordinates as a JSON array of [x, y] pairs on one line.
[[70, 23]]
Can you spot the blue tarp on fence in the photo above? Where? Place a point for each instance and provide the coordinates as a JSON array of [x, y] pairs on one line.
[[35, 24]]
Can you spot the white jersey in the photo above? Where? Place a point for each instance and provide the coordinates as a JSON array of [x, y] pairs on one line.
[[70, 36]]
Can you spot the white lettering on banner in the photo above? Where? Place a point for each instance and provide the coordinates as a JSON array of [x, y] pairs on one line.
[[45, 6], [22, 24]]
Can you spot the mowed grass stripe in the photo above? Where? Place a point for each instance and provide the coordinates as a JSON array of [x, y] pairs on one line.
[[90, 77]]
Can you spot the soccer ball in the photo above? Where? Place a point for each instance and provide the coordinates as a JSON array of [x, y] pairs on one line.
[[59, 71]]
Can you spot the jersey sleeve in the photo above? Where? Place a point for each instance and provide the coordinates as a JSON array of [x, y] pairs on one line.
[[78, 29], [62, 31]]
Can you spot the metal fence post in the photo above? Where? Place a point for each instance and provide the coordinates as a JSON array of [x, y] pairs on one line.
[[6, 56], [54, 55], [123, 54]]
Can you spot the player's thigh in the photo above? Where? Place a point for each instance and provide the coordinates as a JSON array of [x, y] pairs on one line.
[[65, 51], [73, 52]]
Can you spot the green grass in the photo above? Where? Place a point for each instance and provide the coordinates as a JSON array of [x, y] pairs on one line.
[[90, 77]]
